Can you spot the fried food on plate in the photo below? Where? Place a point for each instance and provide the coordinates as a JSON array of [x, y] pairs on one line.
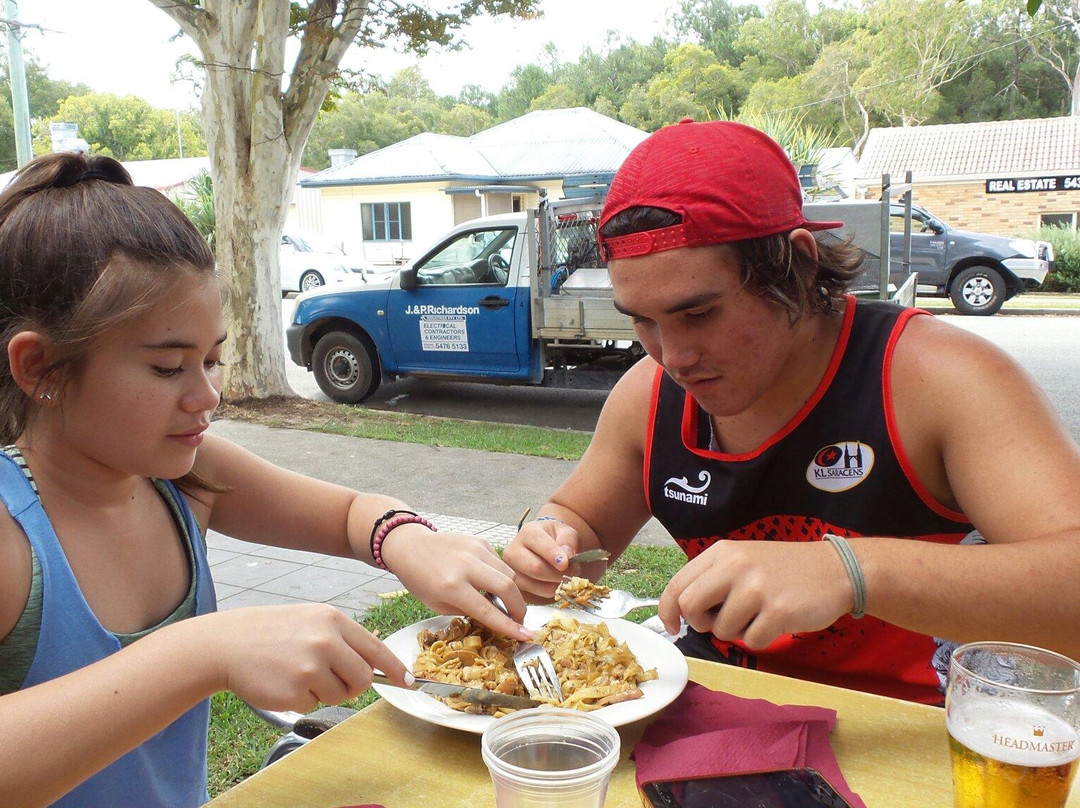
[[594, 668]]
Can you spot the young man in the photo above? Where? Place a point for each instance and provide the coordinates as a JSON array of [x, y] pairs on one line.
[[774, 412]]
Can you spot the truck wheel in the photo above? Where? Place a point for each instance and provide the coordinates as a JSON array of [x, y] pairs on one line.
[[311, 280], [345, 367], [977, 290]]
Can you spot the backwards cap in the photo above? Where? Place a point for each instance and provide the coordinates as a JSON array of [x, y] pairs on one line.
[[728, 181]]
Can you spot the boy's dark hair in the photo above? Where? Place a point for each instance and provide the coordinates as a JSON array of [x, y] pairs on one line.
[[771, 267], [83, 250]]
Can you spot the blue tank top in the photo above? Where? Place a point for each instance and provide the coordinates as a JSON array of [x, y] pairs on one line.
[[169, 769]]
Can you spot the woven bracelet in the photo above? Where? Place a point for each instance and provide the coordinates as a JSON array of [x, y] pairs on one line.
[[854, 571], [397, 521]]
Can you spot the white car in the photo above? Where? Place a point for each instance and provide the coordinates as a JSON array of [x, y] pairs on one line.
[[309, 261]]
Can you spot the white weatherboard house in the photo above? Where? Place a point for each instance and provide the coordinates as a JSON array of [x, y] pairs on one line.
[[387, 206]]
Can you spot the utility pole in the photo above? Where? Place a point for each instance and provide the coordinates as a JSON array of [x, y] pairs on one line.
[[20, 104]]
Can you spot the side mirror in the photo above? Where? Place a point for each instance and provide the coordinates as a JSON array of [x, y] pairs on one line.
[[407, 278], [937, 226]]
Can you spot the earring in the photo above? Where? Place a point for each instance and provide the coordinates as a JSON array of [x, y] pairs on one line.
[[45, 396]]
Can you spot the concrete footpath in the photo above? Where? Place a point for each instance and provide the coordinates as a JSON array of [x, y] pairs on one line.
[[463, 490]]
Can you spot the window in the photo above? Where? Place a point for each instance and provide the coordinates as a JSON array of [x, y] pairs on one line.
[[1067, 220], [386, 221], [480, 257]]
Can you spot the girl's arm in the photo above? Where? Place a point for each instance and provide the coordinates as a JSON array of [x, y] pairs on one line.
[[267, 504], [59, 733]]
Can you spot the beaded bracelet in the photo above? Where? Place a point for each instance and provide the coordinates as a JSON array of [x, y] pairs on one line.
[[397, 521], [378, 523], [854, 571]]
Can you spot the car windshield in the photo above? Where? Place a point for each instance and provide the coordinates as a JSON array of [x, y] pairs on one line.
[[312, 242]]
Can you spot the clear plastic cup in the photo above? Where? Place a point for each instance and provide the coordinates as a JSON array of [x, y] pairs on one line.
[[550, 757]]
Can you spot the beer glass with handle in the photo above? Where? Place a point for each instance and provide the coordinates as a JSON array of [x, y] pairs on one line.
[[1013, 717]]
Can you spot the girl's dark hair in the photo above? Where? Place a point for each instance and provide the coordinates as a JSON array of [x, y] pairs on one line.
[[771, 267], [83, 250]]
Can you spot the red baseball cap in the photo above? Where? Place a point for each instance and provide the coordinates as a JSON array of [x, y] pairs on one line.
[[728, 181]]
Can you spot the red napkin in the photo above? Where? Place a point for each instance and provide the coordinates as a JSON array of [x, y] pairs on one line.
[[705, 733]]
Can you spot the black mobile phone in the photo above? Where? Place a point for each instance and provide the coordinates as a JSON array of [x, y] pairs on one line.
[[789, 788]]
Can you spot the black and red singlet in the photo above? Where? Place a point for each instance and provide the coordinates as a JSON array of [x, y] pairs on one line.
[[836, 467]]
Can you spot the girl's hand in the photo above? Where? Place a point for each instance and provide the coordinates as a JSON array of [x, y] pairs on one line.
[[539, 553], [449, 572], [295, 657]]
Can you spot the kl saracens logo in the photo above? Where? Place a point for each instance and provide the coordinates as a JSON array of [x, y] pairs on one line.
[[840, 466]]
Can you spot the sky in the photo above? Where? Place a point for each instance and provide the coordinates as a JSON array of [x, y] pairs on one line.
[[129, 46]]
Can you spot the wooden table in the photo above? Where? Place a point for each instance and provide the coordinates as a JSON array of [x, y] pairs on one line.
[[892, 753]]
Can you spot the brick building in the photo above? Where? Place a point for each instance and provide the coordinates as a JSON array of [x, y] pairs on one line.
[[1005, 177]]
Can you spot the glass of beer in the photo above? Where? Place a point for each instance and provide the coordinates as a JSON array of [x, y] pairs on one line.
[[1013, 713]]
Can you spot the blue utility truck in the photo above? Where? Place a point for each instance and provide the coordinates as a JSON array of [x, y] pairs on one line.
[[520, 298]]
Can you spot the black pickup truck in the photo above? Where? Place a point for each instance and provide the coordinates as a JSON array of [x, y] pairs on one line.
[[978, 272]]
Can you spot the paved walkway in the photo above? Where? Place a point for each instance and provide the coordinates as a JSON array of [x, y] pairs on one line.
[[457, 489], [258, 575]]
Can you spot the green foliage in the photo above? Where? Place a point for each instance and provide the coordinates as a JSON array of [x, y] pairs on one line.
[[196, 200], [784, 40], [407, 106], [1066, 274], [43, 97], [715, 24], [527, 83], [125, 127], [557, 96]]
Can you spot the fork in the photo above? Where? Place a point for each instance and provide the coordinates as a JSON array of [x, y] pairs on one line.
[[533, 664], [617, 603]]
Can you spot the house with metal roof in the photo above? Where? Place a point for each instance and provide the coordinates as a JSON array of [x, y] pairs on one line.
[[1005, 177], [389, 204]]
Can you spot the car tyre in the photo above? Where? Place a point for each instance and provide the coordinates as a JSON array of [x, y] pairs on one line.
[[346, 367], [311, 280], [978, 290]]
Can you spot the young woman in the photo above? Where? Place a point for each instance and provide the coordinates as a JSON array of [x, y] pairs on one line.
[[111, 323]]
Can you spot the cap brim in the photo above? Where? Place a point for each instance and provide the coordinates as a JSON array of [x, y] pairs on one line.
[[810, 224]]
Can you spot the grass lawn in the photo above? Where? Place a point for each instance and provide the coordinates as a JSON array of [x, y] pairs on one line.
[[239, 739]]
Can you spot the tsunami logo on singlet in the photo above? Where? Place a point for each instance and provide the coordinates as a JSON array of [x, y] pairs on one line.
[[840, 466], [681, 489]]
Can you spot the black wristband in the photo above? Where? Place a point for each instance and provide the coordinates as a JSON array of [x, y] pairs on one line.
[[375, 527]]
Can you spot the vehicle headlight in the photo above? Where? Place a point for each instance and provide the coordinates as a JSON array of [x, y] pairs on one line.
[[1024, 247]]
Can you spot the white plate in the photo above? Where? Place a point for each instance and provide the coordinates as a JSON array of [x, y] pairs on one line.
[[651, 650]]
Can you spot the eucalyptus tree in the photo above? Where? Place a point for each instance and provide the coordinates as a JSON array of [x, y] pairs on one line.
[[260, 101]]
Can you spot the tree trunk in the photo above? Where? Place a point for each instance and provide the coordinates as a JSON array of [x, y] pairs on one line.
[[254, 170], [1075, 108], [255, 134]]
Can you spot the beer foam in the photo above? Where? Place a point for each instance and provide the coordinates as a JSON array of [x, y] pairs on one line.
[[1018, 734]]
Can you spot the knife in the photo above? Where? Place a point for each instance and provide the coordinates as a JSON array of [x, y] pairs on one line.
[[473, 695], [590, 555]]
